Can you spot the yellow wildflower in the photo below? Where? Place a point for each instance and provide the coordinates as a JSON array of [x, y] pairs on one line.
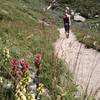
[[31, 96], [41, 89], [1, 79], [6, 52]]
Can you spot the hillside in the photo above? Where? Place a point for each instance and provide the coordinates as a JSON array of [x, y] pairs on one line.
[[87, 32], [29, 67], [88, 8], [23, 37]]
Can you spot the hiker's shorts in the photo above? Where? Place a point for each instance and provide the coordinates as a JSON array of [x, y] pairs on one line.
[[66, 26]]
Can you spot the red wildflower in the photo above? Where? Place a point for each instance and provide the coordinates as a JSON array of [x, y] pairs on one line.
[[14, 65], [38, 59], [24, 64]]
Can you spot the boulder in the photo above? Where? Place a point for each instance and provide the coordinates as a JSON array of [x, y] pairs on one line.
[[96, 16], [79, 18]]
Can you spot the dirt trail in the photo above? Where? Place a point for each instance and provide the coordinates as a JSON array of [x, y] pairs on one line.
[[84, 63]]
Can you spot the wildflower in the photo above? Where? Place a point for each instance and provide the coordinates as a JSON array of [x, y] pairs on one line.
[[22, 96], [19, 67], [8, 86], [38, 59], [40, 89], [23, 65], [29, 80], [31, 96], [6, 52], [14, 65], [1, 79], [21, 87]]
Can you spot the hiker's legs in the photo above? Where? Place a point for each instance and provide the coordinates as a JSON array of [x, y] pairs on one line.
[[65, 27], [66, 30]]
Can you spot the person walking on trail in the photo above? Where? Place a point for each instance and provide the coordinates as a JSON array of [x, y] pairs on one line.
[[67, 23]]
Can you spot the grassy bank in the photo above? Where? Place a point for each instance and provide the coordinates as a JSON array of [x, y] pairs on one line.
[[24, 35], [88, 33]]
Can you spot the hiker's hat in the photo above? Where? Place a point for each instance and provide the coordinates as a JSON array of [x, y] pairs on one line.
[[67, 8]]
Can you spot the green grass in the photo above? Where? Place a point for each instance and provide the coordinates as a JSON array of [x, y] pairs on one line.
[[88, 33], [24, 36]]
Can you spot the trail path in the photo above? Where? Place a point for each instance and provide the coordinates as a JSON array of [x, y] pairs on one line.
[[84, 63]]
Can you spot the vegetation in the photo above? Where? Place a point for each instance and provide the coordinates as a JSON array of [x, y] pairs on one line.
[[22, 36], [87, 8], [26, 30], [90, 29], [88, 33]]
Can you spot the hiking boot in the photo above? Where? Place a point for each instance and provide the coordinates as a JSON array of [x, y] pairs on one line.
[[67, 35]]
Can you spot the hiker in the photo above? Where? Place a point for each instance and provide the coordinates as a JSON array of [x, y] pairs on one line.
[[67, 23]]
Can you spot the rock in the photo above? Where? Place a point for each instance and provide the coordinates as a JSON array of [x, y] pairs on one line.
[[96, 16], [79, 18], [95, 43], [33, 75], [32, 88], [97, 24], [7, 85]]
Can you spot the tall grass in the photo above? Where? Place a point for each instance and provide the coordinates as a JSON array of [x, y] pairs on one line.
[[24, 35], [90, 31]]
